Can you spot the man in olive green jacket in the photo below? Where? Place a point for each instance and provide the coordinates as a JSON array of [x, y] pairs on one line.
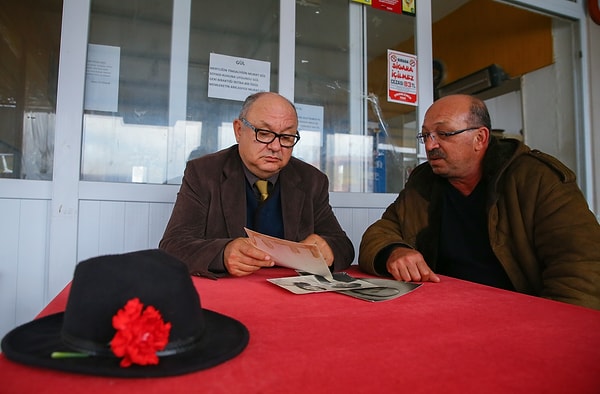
[[490, 211]]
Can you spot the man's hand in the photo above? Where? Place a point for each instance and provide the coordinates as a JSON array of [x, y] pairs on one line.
[[323, 247], [242, 258], [408, 265]]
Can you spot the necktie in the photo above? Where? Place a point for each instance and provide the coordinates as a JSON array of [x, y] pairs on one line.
[[262, 188]]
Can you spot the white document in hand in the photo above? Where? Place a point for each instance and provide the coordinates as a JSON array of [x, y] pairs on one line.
[[295, 255]]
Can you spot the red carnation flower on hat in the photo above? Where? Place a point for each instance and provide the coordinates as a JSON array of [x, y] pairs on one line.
[[140, 334]]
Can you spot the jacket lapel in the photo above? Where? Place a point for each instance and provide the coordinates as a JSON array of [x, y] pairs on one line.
[[292, 200], [233, 195]]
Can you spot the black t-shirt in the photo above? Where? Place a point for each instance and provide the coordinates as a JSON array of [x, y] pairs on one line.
[[464, 248]]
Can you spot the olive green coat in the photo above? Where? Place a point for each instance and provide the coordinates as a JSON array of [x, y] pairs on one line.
[[540, 226]]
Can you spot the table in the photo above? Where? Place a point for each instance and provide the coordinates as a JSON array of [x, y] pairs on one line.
[[447, 337]]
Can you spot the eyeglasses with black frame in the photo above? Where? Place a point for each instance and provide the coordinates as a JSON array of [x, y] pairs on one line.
[[267, 136], [442, 135]]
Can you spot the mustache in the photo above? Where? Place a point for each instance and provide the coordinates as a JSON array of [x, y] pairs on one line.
[[436, 153]]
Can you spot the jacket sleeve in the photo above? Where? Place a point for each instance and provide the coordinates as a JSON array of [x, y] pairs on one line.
[[186, 236], [328, 227], [402, 223], [384, 232]]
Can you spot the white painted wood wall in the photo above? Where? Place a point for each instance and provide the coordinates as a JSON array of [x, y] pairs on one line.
[[23, 245], [104, 227]]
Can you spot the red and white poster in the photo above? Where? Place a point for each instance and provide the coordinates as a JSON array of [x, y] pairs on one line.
[[388, 5], [402, 78]]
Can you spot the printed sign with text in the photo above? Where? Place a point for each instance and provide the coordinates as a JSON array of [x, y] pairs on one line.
[[402, 78], [235, 78]]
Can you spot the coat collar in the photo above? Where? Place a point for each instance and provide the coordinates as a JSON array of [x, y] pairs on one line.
[[499, 156]]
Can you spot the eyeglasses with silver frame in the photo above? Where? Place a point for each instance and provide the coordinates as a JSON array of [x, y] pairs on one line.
[[265, 136]]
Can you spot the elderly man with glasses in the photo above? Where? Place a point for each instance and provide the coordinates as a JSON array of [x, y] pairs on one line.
[[487, 210], [255, 184]]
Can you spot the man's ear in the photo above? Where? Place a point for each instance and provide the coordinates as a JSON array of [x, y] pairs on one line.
[[482, 138], [237, 129]]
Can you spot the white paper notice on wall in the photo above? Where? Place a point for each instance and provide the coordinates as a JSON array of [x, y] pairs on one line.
[[102, 78], [310, 117], [235, 78]]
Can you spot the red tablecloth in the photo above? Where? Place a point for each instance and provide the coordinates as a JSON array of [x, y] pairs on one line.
[[446, 337]]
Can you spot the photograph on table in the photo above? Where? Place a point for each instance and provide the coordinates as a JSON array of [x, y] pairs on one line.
[[305, 284]]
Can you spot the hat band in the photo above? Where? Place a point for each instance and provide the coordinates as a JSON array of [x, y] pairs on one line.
[[95, 349]]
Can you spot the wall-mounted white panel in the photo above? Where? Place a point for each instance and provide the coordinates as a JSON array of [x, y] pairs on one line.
[[159, 217], [136, 226], [9, 258], [32, 267], [355, 221], [112, 227], [23, 260], [89, 230], [118, 227]]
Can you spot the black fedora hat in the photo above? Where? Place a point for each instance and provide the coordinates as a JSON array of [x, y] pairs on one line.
[[173, 335]]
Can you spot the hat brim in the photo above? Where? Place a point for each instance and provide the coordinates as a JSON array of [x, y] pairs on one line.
[[33, 343]]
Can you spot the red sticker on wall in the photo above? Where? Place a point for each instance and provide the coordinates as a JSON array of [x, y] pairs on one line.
[[388, 5]]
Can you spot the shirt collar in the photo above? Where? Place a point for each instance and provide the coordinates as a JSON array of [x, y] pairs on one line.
[[251, 178]]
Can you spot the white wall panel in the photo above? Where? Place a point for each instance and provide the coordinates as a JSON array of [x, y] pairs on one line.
[[9, 253], [346, 219], [32, 264], [104, 227], [118, 227], [112, 227], [361, 220], [159, 217], [23, 260], [89, 230], [136, 226], [355, 221]]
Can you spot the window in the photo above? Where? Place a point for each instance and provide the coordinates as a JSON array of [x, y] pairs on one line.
[[161, 86], [148, 107], [158, 54], [342, 83], [125, 126], [391, 124], [330, 141], [29, 49]]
